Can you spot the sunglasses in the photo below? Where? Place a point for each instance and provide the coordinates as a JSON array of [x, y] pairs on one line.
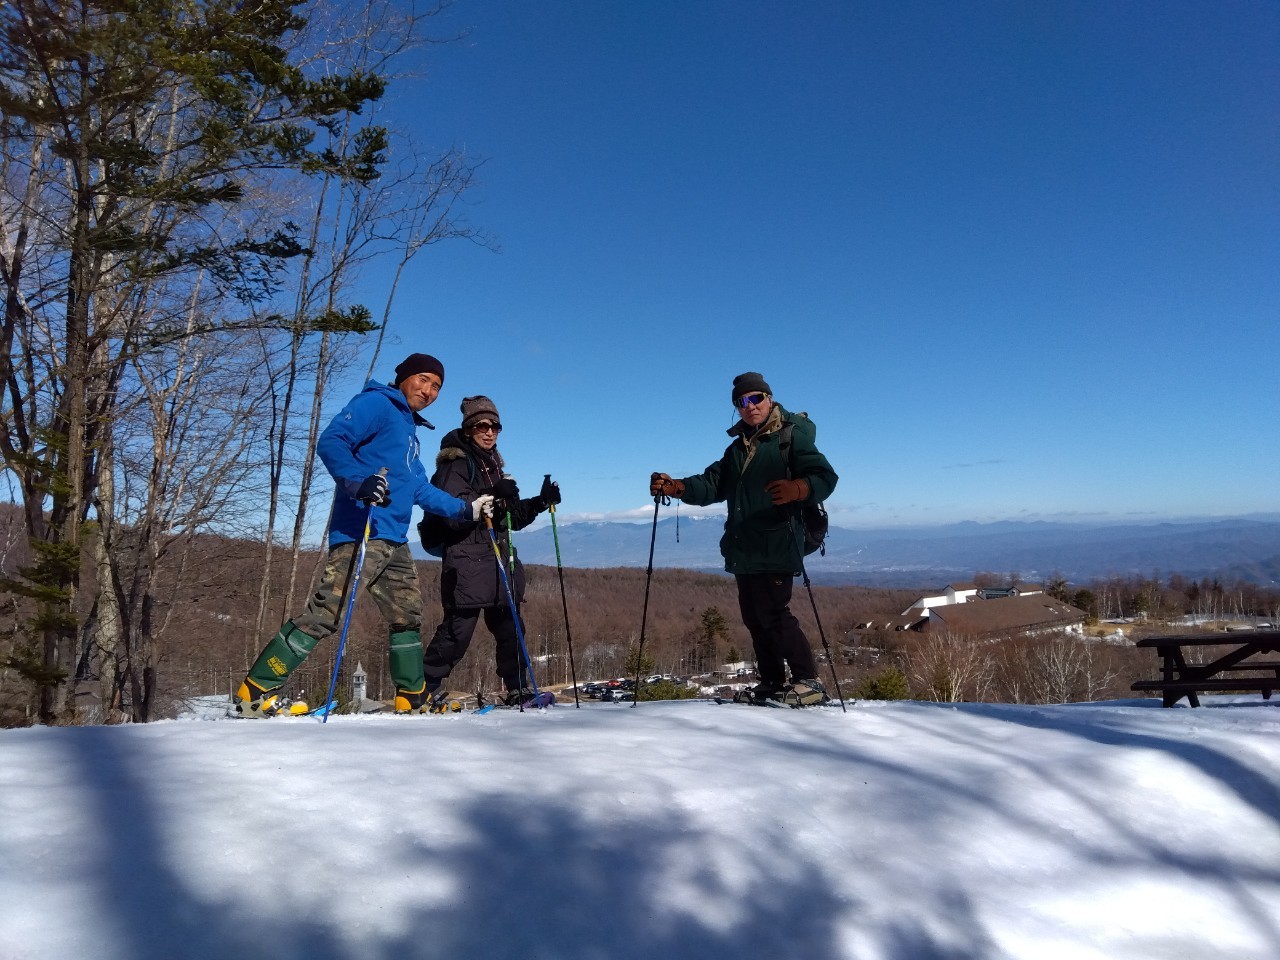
[[750, 400], [484, 426]]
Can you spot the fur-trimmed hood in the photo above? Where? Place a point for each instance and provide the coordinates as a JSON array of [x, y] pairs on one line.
[[454, 445]]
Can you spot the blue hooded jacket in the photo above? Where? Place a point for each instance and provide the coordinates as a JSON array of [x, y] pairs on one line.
[[377, 429]]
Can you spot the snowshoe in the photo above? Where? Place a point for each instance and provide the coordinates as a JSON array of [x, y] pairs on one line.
[[805, 693], [525, 699], [251, 702], [439, 702], [761, 695]]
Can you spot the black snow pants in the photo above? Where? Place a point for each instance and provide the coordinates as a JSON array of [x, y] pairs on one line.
[[452, 638], [765, 602]]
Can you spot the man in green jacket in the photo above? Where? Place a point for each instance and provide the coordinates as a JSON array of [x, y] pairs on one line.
[[762, 545]]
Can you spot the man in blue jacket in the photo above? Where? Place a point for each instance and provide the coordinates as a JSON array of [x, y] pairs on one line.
[[371, 450]]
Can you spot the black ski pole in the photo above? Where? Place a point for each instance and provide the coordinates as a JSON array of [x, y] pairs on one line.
[[515, 617], [831, 661], [648, 577], [564, 601], [511, 578], [797, 527]]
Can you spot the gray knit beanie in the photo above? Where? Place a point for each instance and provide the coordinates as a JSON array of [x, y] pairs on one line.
[[478, 408]]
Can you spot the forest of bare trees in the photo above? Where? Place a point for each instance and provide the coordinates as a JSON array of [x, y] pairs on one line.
[[187, 192], [206, 603], [206, 598]]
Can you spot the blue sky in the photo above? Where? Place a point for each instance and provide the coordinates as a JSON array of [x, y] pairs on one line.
[[1017, 260]]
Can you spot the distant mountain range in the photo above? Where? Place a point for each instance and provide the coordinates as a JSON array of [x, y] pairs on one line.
[[1242, 549]]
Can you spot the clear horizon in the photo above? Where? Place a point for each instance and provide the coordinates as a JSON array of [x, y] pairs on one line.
[[712, 513]]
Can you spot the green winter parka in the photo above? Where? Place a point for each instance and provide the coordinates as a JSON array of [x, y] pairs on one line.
[[759, 537]]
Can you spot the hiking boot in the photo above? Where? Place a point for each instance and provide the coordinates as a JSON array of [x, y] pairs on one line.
[[251, 702], [517, 698], [419, 702], [805, 693]]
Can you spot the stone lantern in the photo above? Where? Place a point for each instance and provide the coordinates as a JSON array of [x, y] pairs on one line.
[[359, 685]]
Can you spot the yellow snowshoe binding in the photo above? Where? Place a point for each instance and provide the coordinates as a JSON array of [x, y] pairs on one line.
[[251, 702]]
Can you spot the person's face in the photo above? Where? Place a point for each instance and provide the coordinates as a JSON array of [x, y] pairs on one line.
[[420, 390], [484, 434], [754, 408]]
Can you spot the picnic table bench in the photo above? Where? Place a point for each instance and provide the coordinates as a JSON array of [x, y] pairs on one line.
[[1239, 668]]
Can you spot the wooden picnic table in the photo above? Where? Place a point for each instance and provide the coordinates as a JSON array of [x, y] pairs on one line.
[[1241, 667]]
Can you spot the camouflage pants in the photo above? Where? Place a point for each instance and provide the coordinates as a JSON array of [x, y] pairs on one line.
[[390, 577]]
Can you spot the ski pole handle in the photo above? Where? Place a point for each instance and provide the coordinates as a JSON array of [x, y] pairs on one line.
[[493, 540]]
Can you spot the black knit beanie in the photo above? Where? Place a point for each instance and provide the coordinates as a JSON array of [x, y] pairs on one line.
[[749, 382], [478, 408], [418, 363]]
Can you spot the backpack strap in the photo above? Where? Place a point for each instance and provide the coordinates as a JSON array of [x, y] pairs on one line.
[[784, 446], [798, 509], [784, 449]]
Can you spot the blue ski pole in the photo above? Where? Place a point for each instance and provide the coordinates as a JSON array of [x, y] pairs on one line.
[[515, 614], [353, 582]]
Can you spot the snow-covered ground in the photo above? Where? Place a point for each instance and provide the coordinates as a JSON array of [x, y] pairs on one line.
[[677, 830]]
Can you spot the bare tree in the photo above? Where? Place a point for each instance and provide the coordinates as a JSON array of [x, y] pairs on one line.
[[128, 136], [1066, 669], [187, 458], [353, 220], [950, 667]]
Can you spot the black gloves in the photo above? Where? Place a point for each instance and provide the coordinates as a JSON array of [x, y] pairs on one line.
[[550, 492], [505, 496], [373, 491], [507, 500]]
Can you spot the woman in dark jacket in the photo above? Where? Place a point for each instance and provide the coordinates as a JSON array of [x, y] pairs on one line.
[[471, 585]]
